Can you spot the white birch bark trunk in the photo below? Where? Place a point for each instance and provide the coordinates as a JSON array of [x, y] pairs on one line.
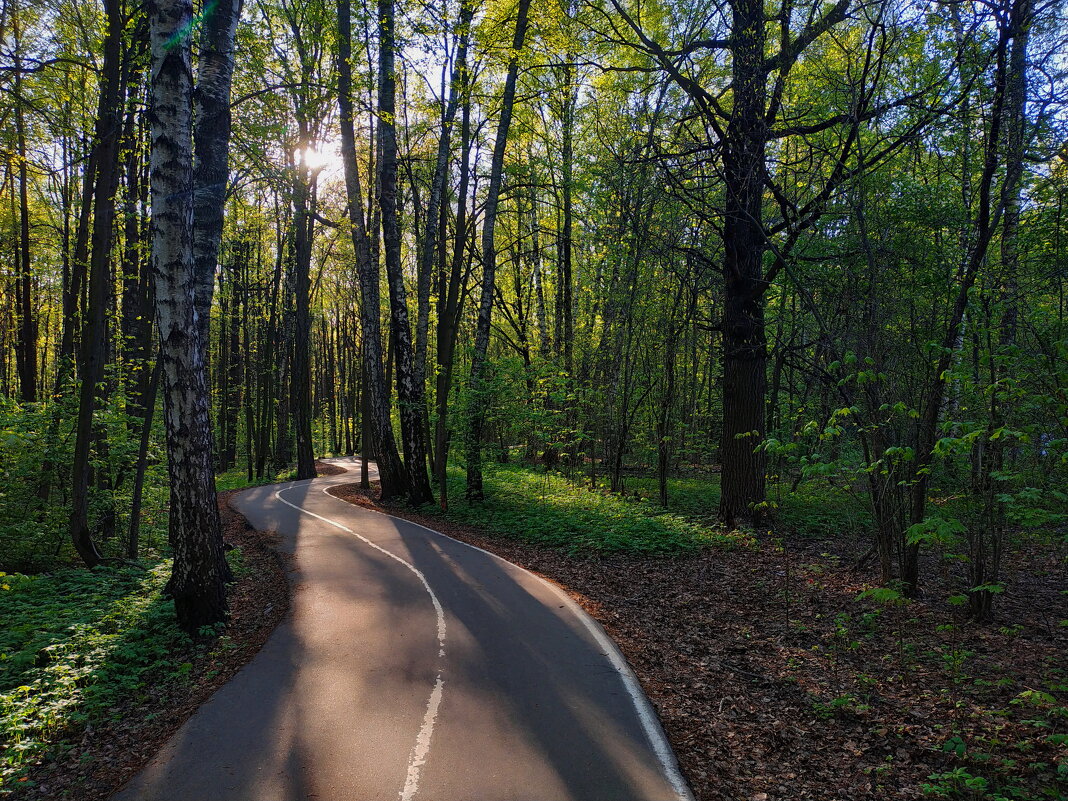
[[199, 573]]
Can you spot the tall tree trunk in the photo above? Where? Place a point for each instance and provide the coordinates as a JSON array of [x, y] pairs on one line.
[[249, 375], [300, 397], [985, 563], [199, 573], [283, 441], [744, 342], [108, 134], [449, 300], [434, 232], [149, 401], [664, 421], [489, 265], [390, 468], [75, 265], [79, 265], [211, 149], [565, 281], [410, 387], [233, 400], [136, 283], [269, 368], [544, 338], [26, 353], [367, 451], [989, 210]]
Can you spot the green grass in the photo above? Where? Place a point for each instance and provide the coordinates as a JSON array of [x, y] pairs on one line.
[[692, 496], [531, 506], [238, 479], [527, 504]]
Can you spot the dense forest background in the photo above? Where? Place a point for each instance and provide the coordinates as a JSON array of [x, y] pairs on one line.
[[745, 320], [814, 252]]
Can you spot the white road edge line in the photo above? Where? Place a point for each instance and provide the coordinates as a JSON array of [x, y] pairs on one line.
[[421, 749], [654, 732]]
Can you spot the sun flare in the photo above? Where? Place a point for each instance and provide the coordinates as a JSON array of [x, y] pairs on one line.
[[316, 159]]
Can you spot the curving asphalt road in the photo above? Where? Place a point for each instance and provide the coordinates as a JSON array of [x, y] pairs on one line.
[[414, 666]]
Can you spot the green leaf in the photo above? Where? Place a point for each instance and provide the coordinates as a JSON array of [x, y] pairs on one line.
[[881, 595], [936, 530]]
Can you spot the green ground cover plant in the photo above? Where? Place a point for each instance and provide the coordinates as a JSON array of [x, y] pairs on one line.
[[238, 479], [75, 648], [816, 510], [545, 508], [76, 643]]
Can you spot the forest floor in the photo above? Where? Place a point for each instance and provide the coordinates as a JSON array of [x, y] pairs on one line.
[[775, 683], [98, 749]]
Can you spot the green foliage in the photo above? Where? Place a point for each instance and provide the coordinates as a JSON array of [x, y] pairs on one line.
[[886, 596], [238, 479], [1036, 508], [75, 646], [823, 511], [814, 509], [30, 533], [847, 703], [696, 496], [957, 783], [36, 450], [533, 506], [1035, 698], [935, 530]]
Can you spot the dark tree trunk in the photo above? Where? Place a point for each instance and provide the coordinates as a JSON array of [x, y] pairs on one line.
[[283, 440], [367, 451], [664, 421], [75, 265], [149, 400], [489, 265], [744, 343], [300, 397], [390, 467], [989, 209], [26, 351], [248, 374], [449, 301], [136, 321], [231, 356], [108, 134], [410, 387], [564, 280], [79, 264], [985, 557], [434, 232], [211, 148], [269, 369]]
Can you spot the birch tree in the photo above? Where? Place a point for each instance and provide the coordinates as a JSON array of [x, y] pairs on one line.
[[198, 578]]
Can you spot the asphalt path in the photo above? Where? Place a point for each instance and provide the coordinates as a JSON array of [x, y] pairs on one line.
[[414, 666]]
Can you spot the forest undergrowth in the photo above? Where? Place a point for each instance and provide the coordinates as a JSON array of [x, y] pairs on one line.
[[95, 674], [779, 670]]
